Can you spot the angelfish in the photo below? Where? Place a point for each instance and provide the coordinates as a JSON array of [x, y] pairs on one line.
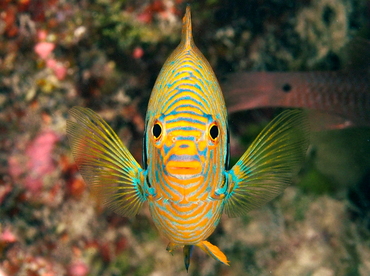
[[185, 176]]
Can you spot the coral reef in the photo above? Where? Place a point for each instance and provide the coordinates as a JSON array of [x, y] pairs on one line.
[[106, 55]]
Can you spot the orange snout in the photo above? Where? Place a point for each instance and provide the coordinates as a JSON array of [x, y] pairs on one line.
[[183, 159]]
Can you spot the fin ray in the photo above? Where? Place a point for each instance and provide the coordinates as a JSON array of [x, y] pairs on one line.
[[268, 165], [104, 162]]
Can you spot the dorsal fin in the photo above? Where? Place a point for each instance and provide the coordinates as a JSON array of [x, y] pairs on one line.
[[187, 35]]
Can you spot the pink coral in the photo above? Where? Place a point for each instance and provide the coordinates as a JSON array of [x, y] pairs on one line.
[[40, 161], [138, 52], [7, 236], [58, 68], [60, 71], [44, 49], [51, 63], [78, 268]]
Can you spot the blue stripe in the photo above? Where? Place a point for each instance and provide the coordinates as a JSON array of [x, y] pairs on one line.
[[189, 105], [184, 112], [184, 157], [186, 119], [183, 128], [179, 98]]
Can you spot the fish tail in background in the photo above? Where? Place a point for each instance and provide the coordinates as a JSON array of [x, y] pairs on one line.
[[105, 163], [269, 164]]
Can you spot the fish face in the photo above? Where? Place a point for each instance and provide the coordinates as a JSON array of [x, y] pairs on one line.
[[186, 141]]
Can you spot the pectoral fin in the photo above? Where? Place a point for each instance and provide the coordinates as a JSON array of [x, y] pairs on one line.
[[269, 164], [105, 163]]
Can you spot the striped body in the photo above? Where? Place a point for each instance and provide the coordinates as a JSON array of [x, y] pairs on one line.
[[185, 165]]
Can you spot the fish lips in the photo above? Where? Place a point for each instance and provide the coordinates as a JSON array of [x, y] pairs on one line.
[[184, 167]]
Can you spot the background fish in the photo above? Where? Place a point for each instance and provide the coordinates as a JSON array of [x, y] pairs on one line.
[[344, 94], [185, 176]]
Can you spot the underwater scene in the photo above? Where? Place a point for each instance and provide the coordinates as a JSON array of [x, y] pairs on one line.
[[173, 137]]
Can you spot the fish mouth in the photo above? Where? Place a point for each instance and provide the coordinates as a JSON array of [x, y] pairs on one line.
[[184, 167]]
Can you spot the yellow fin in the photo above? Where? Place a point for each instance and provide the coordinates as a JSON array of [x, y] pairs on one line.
[[105, 163], [213, 251], [269, 164], [171, 247]]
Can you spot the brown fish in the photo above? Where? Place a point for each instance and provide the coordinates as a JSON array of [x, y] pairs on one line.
[[341, 93], [337, 99]]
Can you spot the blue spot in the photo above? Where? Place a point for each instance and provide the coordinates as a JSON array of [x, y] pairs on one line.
[[209, 215], [166, 149]]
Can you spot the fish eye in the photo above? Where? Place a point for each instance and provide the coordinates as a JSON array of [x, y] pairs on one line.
[[287, 87], [214, 131], [157, 130]]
